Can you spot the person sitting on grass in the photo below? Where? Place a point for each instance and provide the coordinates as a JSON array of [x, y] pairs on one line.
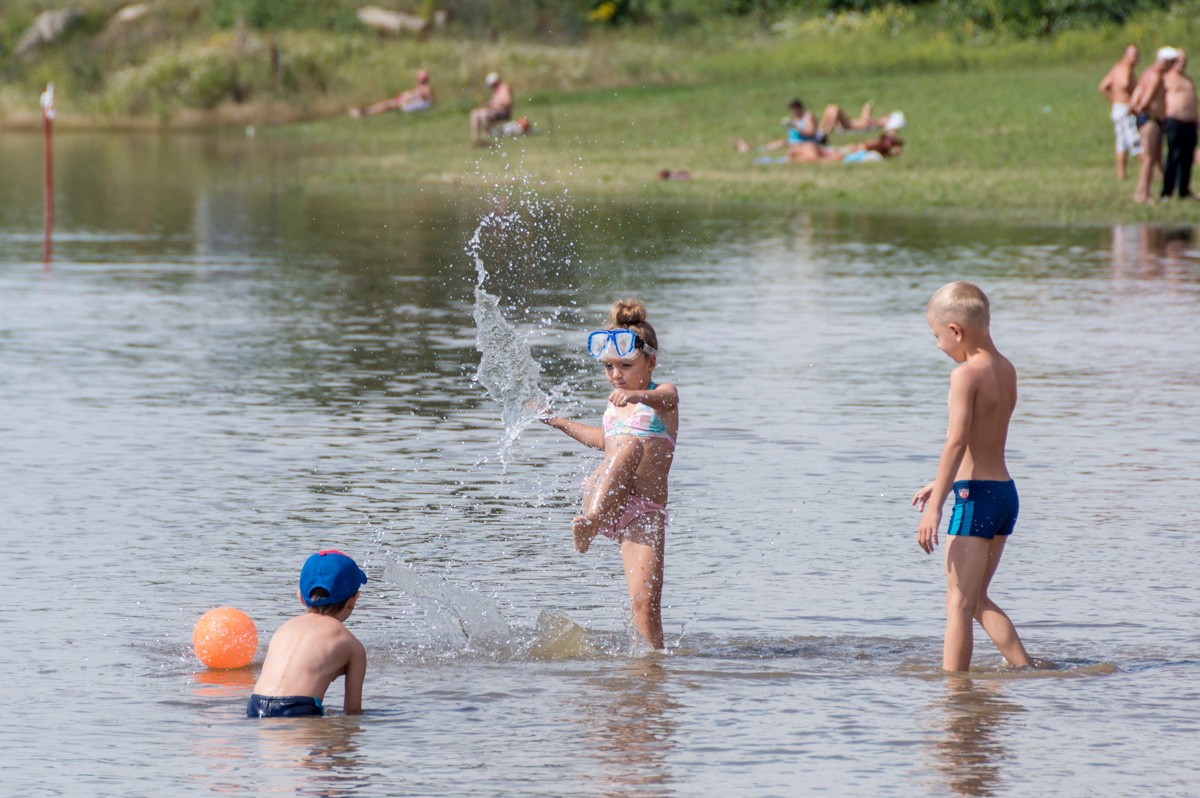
[[497, 109], [885, 145], [418, 98]]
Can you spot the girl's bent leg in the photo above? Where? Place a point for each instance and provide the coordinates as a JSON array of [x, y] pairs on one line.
[[642, 549], [606, 491]]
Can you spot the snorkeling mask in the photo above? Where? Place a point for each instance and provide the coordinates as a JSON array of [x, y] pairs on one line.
[[621, 342]]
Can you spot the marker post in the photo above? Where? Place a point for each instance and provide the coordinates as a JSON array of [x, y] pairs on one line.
[[48, 173]]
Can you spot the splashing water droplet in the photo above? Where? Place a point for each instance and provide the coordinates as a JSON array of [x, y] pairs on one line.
[[507, 369]]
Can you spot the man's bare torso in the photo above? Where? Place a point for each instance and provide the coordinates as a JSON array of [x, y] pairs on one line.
[[502, 99], [1119, 82], [1179, 96], [1149, 96]]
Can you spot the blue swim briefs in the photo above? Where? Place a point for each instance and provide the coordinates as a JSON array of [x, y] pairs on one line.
[[984, 508], [283, 706], [796, 137]]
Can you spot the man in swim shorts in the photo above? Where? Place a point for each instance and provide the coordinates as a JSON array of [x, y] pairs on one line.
[[1149, 102], [309, 651], [1117, 87]]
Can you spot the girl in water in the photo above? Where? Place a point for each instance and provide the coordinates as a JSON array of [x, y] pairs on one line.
[[625, 498]]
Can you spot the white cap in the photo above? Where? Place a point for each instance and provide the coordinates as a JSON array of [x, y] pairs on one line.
[[492, 79], [1166, 54]]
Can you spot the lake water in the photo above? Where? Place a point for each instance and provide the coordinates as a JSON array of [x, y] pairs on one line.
[[224, 369]]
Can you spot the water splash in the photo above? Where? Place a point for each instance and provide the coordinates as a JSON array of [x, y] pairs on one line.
[[453, 617], [557, 637], [507, 370]]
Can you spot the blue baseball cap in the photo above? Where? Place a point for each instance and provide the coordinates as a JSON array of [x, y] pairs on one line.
[[333, 571]]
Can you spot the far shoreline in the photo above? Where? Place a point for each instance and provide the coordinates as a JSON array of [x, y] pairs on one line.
[[1039, 152]]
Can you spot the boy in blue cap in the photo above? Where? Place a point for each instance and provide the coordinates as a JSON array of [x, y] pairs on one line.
[[308, 652]]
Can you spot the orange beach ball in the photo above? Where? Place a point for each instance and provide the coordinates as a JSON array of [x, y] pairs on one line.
[[225, 638]]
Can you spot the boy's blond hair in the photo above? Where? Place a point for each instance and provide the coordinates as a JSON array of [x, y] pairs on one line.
[[961, 302]]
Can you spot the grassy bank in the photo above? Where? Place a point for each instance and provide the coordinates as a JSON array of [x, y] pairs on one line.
[[999, 125], [1035, 146]]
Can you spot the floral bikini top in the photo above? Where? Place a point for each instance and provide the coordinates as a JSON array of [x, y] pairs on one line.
[[643, 422]]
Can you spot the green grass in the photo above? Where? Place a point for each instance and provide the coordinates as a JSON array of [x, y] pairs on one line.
[[1034, 145], [999, 126]]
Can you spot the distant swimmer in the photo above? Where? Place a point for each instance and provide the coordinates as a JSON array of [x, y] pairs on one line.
[[625, 498], [983, 393], [310, 651]]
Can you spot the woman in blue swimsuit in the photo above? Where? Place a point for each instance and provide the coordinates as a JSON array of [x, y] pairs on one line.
[[625, 498]]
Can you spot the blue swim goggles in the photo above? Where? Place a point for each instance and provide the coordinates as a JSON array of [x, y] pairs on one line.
[[622, 343]]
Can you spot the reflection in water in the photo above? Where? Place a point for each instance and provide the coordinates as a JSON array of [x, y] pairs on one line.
[[629, 727], [975, 716], [319, 755], [314, 756], [224, 683], [1141, 251]]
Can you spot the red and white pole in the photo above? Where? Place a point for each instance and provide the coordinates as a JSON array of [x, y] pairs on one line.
[[48, 174]]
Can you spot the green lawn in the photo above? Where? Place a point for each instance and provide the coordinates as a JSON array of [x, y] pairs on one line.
[[1028, 144]]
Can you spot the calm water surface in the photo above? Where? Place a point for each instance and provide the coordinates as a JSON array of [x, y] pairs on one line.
[[224, 370]]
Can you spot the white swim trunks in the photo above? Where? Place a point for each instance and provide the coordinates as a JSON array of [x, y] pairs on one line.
[[1125, 129]]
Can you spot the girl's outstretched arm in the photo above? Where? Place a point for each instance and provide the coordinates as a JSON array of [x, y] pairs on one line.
[[663, 398], [584, 433]]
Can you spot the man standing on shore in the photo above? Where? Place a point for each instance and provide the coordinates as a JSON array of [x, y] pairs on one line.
[[1117, 87], [1179, 129], [1149, 103]]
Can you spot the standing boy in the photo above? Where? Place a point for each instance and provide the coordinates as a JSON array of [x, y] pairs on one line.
[[311, 650], [983, 393]]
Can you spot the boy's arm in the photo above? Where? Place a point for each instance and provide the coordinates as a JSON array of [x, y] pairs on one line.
[[1106, 85], [584, 433], [962, 399], [664, 397], [356, 672]]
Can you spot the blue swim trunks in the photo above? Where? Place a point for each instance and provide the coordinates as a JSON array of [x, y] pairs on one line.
[[796, 137], [283, 706], [984, 508]]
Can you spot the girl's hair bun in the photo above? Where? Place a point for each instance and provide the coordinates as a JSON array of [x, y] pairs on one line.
[[626, 313]]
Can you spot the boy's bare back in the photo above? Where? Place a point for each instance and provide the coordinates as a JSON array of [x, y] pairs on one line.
[[988, 384], [307, 653]]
